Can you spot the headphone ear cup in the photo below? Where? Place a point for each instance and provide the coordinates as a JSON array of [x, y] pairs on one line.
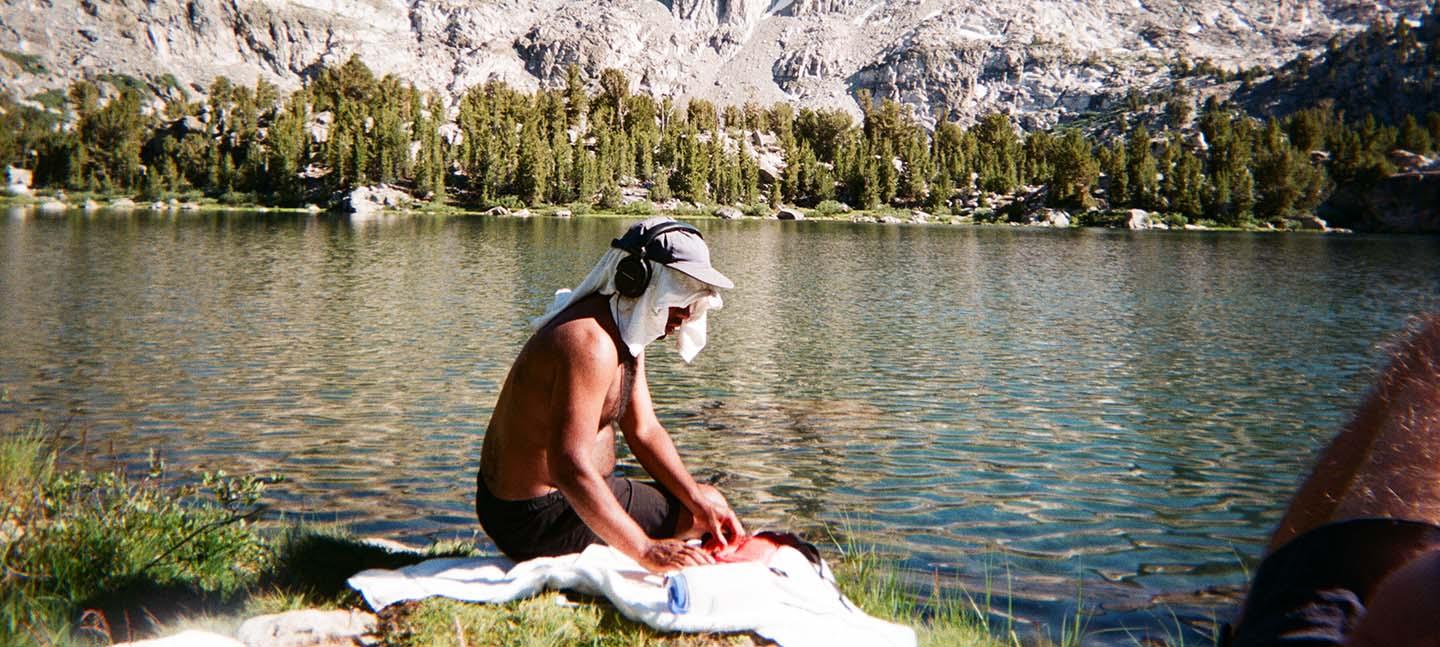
[[632, 276]]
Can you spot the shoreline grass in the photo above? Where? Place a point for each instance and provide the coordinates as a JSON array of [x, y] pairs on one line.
[[95, 556]]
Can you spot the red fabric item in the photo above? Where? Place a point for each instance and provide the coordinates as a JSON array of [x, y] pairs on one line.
[[752, 548]]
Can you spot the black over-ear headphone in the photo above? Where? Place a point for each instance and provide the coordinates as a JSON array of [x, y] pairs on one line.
[[632, 274]]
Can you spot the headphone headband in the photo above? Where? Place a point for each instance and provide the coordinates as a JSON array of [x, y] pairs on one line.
[[632, 275], [650, 235]]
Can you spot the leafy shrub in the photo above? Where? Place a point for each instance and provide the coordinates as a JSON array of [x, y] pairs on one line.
[[660, 191], [638, 208], [125, 82], [691, 209], [52, 99], [87, 539], [580, 208], [27, 62], [1099, 218], [611, 198], [987, 215], [1175, 220], [757, 210], [831, 208], [238, 198], [510, 202]]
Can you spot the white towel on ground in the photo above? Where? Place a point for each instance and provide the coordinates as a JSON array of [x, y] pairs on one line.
[[788, 601]]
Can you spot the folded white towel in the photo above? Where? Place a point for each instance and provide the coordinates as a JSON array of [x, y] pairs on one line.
[[789, 600]]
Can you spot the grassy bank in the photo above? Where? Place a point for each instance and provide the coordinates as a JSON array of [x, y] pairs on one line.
[[93, 555]]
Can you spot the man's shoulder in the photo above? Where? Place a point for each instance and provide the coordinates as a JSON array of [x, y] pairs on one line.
[[578, 338]]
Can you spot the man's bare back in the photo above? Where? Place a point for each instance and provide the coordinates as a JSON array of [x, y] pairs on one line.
[[514, 460]]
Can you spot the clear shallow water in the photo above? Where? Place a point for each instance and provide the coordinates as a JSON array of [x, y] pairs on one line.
[[1121, 412]]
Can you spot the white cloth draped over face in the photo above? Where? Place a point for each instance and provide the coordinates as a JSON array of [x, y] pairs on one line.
[[642, 319]]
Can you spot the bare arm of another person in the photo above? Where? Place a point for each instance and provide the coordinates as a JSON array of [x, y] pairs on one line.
[[653, 447], [578, 393]]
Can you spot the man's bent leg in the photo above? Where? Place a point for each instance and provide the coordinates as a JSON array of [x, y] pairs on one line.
[[687, 529], [547, 526], [544, 526], [654, 508]]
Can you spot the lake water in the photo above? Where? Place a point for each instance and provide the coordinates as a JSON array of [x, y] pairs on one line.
[[1102, 419]]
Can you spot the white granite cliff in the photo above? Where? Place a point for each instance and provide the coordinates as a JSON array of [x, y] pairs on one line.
[[1041, 58]]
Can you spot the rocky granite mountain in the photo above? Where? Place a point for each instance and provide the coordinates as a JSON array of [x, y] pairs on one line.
[[1390, 71], [1038, 59]]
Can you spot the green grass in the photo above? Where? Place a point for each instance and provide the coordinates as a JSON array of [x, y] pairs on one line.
[[52, 99], [89, 542], [30, 63], [126, 82]]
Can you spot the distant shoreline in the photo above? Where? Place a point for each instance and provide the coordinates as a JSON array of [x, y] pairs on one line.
[[1102, 219]]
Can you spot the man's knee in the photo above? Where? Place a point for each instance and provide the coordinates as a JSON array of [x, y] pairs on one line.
[[710, 492], [687, 528]]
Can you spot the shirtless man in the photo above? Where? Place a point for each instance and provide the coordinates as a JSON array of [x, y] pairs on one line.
[[1356, 559], [546, 483]]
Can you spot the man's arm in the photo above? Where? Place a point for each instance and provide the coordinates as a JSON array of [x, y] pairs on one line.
[[653, 447], [579, 397]]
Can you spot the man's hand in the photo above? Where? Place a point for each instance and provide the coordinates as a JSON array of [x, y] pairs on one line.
[[667, 555], [714, 515]]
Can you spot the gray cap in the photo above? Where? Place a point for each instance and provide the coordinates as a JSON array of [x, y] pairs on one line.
[[675, 244]]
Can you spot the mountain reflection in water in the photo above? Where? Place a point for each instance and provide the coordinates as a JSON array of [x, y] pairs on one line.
[[1106, 418]]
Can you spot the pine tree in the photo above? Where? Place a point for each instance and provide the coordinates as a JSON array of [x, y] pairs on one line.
[[1074, 172], [1273, 175], [692, 167], [110, 137], [286, 151], [1038, 150], [749, 176], [577, 102], [999, 153], [869, 192], [614, 89], [1141, 171], [915, 168], [1413, 137], [1185, 191], [937, 200], [1307, 129], [561, 189], [1115, 166]]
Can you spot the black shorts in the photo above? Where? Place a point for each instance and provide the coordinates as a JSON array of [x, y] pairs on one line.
[[1313, 590], [546, 526]]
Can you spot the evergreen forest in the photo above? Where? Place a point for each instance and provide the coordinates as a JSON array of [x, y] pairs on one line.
[[582, 142]]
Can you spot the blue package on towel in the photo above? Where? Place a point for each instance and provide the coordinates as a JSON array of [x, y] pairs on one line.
[[677, 592]]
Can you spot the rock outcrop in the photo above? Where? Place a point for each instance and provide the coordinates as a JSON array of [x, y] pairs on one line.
[[18, 180], [1401, 203], [367, 200], [962, 58], [308, 627]]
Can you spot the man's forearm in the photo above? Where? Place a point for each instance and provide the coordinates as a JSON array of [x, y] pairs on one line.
[[591, 498], [656, 453]]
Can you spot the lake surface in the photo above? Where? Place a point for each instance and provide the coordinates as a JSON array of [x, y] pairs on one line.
[[1102, 419]]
